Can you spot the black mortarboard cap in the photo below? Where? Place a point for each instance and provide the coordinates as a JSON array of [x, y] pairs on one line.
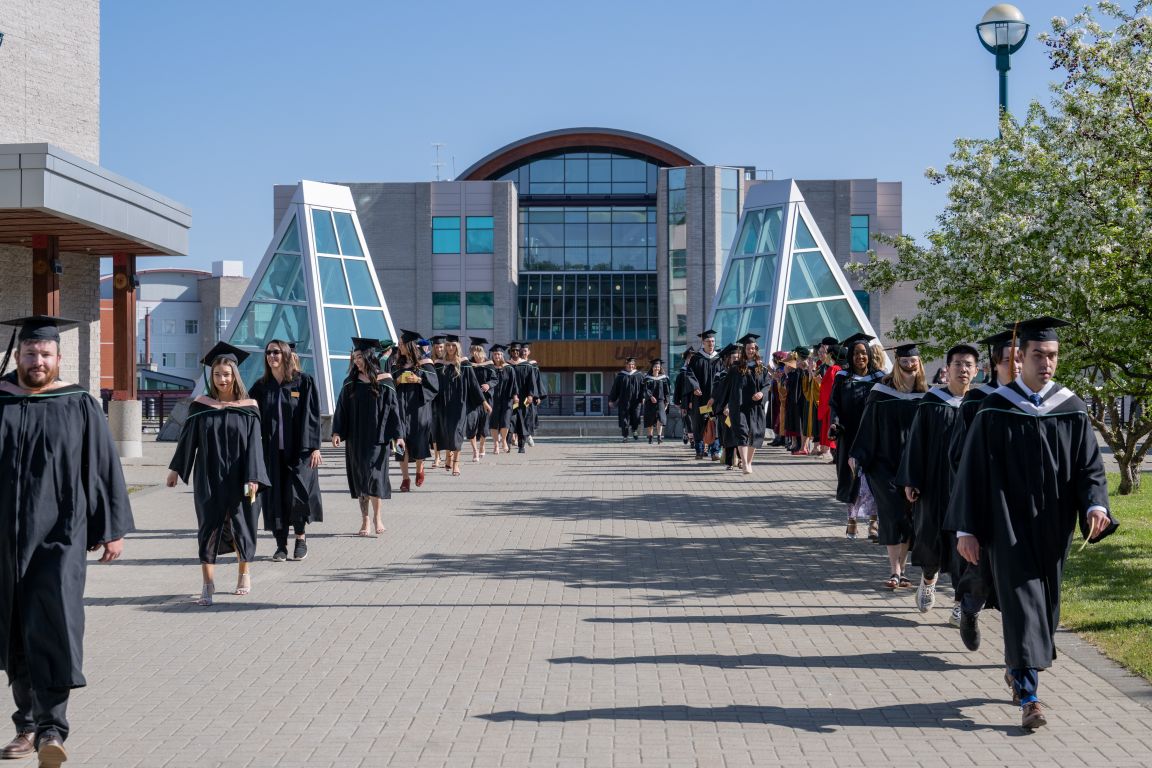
[[855, 338], [706, 334], [689, 351], [365, 345], [629, 359], [452, 338], [828, 341], [657, 360], [802, 352], [41, 327], [497, 348], [438, 338], [409, 336], [478, 341], [224, 350], [748, 338], [1038, 329], [906, 350], [997, 341], [729, 350], [513, 345]]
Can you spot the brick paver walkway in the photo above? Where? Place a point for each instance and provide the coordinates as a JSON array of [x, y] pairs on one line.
[[584, 605]]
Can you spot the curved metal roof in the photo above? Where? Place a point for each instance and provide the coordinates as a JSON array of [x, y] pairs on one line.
[[573, 139]]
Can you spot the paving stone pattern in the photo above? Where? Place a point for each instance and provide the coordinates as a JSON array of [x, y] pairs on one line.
[[588, 604]]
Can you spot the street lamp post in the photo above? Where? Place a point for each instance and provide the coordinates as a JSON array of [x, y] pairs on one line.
[[1002, 31]]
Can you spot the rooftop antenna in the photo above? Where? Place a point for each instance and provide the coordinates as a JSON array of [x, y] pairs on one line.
[[437, 163]]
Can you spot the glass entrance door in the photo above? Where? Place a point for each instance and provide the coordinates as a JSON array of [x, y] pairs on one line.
[[589, 390]]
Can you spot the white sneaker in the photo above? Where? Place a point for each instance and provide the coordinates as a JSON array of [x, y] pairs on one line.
[[925, 596], [531, 442], [954, 619]]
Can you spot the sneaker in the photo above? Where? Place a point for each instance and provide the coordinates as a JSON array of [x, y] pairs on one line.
[[531, 441], [715, 457], [624, 439], [954, 619], [280, 555], [850, 529], [300, 551], [635, 436], [521, 450], [970, 630], [925, 596], [1032, 716]]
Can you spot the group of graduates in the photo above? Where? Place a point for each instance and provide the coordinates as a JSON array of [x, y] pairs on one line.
[[254, 453], [985, 481]]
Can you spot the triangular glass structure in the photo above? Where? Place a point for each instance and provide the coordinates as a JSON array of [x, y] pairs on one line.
[[781, 280], [316, 286]]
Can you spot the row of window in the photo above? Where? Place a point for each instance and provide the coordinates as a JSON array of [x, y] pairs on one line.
[[588, 306], [169, 327], [171, 360], [584, 173], [477, 234], [479, 310]]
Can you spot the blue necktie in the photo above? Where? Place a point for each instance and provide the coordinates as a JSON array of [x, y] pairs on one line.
[[1035, 398]]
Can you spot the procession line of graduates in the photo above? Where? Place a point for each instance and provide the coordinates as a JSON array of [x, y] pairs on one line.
[[987, 484], [255, 454], [641, 399]]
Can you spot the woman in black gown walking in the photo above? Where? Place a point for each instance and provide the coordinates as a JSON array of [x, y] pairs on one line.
[[416, 383]]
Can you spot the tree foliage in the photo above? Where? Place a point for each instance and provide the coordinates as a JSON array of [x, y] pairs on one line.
[[1054, 217]]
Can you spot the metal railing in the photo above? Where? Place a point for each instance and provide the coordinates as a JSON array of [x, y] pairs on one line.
[[155, 406]]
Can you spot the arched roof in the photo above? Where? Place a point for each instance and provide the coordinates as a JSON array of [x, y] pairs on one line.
[[576, 139]]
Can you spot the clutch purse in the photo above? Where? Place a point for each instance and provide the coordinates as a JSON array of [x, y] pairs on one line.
[[407, 377]]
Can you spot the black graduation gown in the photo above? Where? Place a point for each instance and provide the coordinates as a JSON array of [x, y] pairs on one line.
[[1027, 476], [459, 394], [368, 420], [62, 493], [845, 408], [220, 448], [290, 409], [878, 448], [503, 387], [748, 416], [700, 374], [628, 395], [796, 407], [925, 465], [526, 385], [968, 407], [477, 426], [660, 388], [416, 398]]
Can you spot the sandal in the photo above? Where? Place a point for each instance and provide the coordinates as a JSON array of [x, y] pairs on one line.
[[419, 477], [380, 528], [906, 583], [206, 593], [456, 472], [405, 485], [243, 584], [893, 582]]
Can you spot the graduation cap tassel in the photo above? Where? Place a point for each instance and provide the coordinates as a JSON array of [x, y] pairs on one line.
[[1012, 355], [8, 354]]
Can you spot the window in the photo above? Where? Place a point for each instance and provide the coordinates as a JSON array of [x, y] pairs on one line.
[[479, 308], [446, 311], [190, 360], [168, 327], [860, 234], [168, 359], [584, 173], [192, 326], [865, 300], [588, 306], [479, 235], [588, 239], [445, 234]]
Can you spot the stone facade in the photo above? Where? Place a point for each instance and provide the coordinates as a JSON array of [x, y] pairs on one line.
[[50, 74]]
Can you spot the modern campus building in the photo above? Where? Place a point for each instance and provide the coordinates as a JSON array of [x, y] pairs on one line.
[[595, 244], [60, 211]]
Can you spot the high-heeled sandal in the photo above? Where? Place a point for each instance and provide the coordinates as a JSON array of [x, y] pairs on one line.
[[405, 485], [243, 584], [419, 477], [206, 593]]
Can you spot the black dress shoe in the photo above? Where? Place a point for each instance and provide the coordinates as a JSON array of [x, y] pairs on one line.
[[51, 752], [21, 746], [970, 630]]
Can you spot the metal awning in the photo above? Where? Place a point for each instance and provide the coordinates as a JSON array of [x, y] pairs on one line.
[[47, 191]]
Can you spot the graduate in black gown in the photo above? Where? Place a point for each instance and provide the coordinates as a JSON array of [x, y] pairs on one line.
[[290, 429], [850, 390], [367, 420], [540, 392], [700, 371], [478, 417], [682, 396], [975, 588], [504, 396], [729, 356], [657, 393], [627, 396], [1030, 473], [459, 394], [221, 450], [527, 387], [63, 491], [742, 400], [416, 382], [797, 406], [436, 352], [926, 474], [878, 448]]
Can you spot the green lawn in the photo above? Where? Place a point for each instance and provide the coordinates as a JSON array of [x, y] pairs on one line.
[[1107, 596]]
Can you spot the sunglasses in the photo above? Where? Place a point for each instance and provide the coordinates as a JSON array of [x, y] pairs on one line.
[[273, 353]]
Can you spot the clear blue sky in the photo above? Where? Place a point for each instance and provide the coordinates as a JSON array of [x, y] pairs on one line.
[[212, 102]]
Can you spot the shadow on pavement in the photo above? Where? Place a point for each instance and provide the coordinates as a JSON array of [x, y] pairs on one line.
[[903, 661], [875, 620], [947, 715]]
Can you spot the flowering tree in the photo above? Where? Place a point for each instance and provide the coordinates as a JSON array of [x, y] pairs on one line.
[[1055, 218]]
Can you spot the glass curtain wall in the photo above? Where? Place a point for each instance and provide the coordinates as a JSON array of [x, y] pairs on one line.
[[587, 238]]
